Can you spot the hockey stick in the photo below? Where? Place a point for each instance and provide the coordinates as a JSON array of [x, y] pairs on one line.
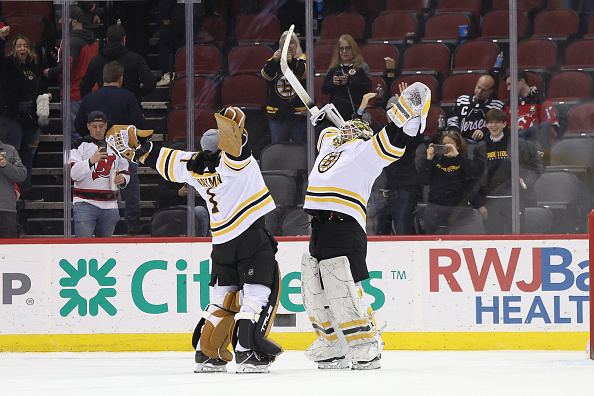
[[317, 114]]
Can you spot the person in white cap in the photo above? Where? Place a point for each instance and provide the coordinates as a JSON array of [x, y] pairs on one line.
[[350, 159], [245, 275]]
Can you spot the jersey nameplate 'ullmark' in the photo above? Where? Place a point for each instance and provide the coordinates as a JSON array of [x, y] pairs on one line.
[[235, 193], [342, 176]]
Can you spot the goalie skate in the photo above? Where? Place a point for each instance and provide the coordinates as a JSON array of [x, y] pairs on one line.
[[252, 362], [372, 364], [337, 363], [206, 364]]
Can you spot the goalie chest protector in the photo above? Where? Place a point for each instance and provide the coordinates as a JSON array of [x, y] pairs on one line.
[[235, 193], [342, 176]]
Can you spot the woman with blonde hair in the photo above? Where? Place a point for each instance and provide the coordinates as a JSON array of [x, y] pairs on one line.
[[21, 72], [286, 112], [348, 77]]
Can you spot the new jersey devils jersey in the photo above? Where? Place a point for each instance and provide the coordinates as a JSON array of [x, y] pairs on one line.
[[533, 109], [234, 192], [91, 182], [343, 175]]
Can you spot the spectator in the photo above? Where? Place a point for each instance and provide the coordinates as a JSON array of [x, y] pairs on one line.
[[537, 117], [121, 108], [171, 36], [83, 47], [97, 171], [452, 180], [21, 73], [286, 119], [394, 194], [11, 171], [492, 155], [348, 77], [138, 78], [468, 115]]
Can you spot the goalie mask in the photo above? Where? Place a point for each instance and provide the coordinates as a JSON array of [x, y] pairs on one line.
[[353, 129]]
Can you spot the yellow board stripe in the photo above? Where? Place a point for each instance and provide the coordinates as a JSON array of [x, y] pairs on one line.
[[352, 323], [424, 341]]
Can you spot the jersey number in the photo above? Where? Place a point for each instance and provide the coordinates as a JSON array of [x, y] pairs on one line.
[[215, 204]]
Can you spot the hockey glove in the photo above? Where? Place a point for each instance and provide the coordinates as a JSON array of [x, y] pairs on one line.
[[129, 142], [414, 102]]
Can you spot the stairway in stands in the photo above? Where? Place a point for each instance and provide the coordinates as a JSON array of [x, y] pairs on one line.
[[42, 210]]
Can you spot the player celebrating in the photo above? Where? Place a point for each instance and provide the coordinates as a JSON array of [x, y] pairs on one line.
[[243, 251], [350, 159]]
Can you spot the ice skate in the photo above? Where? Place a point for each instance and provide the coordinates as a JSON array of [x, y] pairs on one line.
[[335, 363], [206, 364], [252, 362], [372, 364]]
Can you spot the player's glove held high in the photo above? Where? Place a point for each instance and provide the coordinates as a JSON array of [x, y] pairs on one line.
[[414, 102], [129, 142]]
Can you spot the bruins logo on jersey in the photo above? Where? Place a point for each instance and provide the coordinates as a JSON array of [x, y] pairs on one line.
[[328, 162], [284, 88]]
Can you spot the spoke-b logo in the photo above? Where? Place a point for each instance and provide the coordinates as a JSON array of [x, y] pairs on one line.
[[86, 278]]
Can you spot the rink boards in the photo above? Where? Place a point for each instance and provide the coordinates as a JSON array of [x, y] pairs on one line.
[[428, 293]]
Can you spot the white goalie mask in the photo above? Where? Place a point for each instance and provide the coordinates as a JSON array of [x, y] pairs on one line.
[[353, 129]]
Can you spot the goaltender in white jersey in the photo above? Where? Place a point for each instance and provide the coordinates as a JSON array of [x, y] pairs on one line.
[[243, 253], [234, 190], [350, 159]]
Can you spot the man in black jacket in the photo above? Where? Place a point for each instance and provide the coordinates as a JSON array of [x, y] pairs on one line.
[[138, 78]]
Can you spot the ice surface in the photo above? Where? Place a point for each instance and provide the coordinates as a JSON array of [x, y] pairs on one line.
[[419, 373]]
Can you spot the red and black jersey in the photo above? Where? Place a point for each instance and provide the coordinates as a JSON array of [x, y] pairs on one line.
[[533, 109]]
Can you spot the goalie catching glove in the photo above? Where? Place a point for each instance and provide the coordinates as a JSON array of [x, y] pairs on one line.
[[130, 142]]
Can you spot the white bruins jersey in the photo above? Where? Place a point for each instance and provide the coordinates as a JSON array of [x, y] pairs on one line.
[[342, 176], [235, 193], [91, 182]]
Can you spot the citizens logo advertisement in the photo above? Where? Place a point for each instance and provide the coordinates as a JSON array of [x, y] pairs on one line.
[[416, 286]]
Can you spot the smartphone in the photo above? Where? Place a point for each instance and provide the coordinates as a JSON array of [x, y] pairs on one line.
[[338, 73], [440, 149]]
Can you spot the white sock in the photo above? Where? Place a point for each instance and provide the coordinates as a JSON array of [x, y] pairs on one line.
[[257, 294]]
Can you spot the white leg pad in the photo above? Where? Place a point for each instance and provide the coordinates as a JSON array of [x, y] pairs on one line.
[[344, 300], [330, 342]]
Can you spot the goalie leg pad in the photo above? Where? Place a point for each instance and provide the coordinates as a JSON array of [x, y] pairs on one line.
[[330, 343], [251, 329], [212, 331], [345, 303]]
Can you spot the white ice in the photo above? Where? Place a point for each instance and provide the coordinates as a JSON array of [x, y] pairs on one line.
[[419, 373]]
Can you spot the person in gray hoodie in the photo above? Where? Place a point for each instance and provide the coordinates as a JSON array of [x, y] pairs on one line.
[[12, 171]]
